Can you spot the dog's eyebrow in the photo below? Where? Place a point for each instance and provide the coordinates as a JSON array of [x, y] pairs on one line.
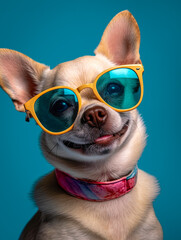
[[58, 79]]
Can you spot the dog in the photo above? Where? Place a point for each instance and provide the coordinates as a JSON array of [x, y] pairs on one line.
[[99, 151]]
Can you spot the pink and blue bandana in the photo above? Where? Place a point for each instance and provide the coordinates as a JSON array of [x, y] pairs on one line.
[[96, 191]]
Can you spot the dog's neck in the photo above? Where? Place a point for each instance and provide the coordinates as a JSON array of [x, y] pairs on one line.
[[96, 191]]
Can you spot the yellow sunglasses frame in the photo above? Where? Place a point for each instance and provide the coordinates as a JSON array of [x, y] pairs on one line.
[[29, 105]]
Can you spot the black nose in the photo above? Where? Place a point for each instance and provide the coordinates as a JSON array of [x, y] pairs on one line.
[[95, 116]]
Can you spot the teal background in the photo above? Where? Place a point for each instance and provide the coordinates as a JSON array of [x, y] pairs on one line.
[[52, 32]]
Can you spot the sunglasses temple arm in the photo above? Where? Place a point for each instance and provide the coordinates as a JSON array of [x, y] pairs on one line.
[[28, 116]]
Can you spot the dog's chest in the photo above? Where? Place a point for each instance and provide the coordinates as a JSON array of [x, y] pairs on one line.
[[95, 225], [112, 220]]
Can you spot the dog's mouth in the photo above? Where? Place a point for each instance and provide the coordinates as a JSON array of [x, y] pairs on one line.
[[104, 140]]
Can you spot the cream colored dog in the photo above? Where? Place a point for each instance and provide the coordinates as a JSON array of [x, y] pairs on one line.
[[60, 215]]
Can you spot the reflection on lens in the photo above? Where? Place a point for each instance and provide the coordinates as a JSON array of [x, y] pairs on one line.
[[57, 109], [120, 88]]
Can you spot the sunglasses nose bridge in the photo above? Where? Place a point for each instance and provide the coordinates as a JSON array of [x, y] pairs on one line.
[[88, 85]]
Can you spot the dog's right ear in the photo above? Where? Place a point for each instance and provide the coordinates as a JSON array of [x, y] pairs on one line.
[[19, 76], [121, 40]]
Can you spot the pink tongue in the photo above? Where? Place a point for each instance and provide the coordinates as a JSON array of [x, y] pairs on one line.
[[103, 139]]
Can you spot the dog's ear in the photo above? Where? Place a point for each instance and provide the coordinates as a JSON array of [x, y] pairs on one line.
[[121, 40], [19, 76]]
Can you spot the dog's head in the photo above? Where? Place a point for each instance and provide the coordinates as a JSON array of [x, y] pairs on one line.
[[102, 139]]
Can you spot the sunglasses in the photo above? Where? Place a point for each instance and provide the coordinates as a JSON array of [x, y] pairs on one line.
[[55, 109]]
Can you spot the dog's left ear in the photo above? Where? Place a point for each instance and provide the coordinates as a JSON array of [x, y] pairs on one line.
[[121, 40], [19, 76]]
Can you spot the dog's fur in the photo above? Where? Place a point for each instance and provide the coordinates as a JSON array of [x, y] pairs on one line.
[[61, 216]]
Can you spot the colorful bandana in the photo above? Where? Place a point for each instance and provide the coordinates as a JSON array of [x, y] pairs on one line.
[[96, 191]]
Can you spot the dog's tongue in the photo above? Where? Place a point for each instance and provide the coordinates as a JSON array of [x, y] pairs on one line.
[[104, 139]]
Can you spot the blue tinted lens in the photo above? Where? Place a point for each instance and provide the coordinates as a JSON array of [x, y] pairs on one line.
[[120, 88], [57, 109]]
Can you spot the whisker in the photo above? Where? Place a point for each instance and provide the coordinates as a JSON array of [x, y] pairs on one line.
[[53, 147], [57, 149]]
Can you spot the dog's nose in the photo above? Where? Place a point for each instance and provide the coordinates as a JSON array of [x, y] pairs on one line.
[[95, 116]]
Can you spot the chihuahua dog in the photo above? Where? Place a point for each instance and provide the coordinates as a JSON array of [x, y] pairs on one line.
[[93, 136]]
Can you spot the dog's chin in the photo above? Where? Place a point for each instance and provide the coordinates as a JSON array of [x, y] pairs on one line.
[[105, 144]]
